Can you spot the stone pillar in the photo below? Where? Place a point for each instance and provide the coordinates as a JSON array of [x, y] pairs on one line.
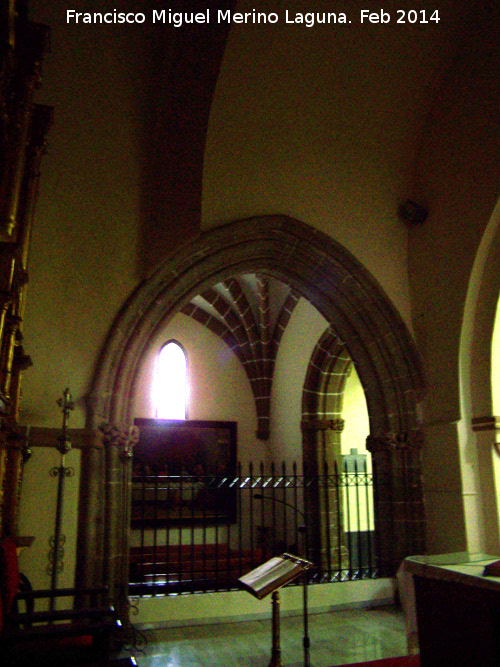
[[483, 525], [118, 445], [399, 503], [321, 445], [90, 540]]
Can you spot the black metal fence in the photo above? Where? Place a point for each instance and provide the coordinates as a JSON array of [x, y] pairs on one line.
[[200, 533]]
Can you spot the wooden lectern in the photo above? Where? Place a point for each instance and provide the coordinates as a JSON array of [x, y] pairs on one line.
[[267, 579]]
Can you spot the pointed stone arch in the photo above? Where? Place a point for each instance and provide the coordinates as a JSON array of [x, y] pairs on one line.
[[325, 381], [343, 291], [319, 268], [322, 425], [480, 414]]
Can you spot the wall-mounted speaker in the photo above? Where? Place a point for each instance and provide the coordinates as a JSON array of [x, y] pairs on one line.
[[413, 213]]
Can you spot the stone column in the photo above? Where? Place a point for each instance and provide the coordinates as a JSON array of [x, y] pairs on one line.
[[90, 540], [398, 497], [483, 525], [118, 445], [320, 501]]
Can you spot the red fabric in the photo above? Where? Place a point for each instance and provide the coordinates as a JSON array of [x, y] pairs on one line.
[[58, 644], [9, 573], [402, 661], [85, 641]]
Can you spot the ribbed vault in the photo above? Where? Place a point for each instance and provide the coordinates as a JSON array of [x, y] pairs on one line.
[[247, 326]]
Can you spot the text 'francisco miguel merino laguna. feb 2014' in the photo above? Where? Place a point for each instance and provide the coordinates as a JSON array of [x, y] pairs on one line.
[[307, 19]]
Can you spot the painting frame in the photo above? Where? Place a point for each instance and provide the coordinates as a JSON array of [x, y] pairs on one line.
[[181, 471]]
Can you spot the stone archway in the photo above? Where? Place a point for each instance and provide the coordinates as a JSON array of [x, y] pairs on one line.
[[480, 415], [322, 425], [320, 269], [344, 292]]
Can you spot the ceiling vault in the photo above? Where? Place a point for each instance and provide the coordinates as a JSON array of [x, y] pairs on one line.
[[239, 312]]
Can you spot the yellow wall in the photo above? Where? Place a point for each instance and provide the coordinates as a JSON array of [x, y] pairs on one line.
[[301, 335], [322, 125], [84, 253], [240, 605], [495, 364], [37, 516], [355, 414], [457, 178]]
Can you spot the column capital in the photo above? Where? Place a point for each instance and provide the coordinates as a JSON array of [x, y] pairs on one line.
[[315, 424], [115, 437], [392, 441]]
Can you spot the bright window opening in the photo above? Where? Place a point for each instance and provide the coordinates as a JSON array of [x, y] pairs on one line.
[[171, 386]]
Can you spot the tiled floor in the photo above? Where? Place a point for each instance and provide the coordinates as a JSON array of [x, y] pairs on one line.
[[337, 638]]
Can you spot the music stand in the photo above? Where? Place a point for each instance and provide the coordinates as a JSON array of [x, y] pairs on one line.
[[267, 579]]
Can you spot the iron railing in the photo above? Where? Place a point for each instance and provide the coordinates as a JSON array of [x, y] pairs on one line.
[[201, 533]]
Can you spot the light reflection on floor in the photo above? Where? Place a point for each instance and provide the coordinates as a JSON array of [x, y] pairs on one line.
[[337, 638]]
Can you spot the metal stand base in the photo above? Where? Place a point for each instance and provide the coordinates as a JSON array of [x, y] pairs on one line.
[[276, 650]]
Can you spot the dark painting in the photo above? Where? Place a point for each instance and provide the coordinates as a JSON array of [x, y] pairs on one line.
[[182, 472]]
